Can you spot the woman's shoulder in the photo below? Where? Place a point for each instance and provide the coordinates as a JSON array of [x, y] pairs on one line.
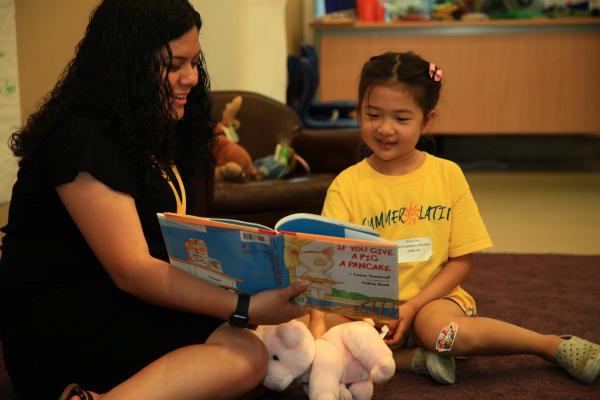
[[78, 135], [76, 127], [82, 143]]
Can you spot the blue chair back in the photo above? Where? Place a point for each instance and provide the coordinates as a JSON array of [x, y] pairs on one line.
[[303, 82]]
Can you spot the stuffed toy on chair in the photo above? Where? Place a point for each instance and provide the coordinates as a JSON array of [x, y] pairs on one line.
[[349, 358], [233, 162], [291, 349], [281, 164]]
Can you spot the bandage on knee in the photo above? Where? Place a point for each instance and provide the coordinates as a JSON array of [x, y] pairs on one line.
[[446, 338]]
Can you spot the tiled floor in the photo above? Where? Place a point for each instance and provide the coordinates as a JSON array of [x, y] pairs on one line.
[[540, 212]]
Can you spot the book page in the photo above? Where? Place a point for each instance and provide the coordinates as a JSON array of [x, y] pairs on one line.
[[217, 222], [319, 225], [242, 223], [351, 277], [241, 260]]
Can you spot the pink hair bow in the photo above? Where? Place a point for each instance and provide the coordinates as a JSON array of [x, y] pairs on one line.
[[434, 73]]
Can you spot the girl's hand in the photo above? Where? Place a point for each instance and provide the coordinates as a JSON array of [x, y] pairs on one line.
[[275, 306], [399, 329]]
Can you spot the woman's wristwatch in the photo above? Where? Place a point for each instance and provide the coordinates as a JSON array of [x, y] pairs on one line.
[[239, 318]]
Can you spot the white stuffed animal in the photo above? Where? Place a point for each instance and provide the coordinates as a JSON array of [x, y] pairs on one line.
[[291, 349], [349, 358]]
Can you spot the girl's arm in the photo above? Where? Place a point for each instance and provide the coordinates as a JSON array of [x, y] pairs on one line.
[[109, 222], [317, 323], [452, 274]]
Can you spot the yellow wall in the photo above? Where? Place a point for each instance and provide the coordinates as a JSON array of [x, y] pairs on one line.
[[48, 31], [294, 23], [244, 42]]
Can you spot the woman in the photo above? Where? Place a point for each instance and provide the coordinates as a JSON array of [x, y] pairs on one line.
[[87, 294]]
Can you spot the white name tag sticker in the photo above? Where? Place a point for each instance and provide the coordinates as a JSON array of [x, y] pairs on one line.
[[414, 249]]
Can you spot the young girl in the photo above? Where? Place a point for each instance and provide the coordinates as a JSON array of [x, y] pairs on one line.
[[86, 291], [424, 201]]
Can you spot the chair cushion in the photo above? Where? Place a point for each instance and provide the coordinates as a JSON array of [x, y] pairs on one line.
[[307, 191]]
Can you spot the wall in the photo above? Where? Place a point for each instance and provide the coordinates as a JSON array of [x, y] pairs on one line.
[[235, 32], [47, 33], [244, 42], [9, 96], [299, 15], [294, 24]]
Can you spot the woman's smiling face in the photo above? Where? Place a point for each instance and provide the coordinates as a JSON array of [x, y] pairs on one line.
[[182, 72]]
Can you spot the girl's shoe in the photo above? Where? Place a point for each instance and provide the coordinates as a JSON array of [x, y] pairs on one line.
[[441, 369], [75, 390], [579, 357]]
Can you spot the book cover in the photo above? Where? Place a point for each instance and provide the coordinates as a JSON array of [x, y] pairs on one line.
[[349, 268]]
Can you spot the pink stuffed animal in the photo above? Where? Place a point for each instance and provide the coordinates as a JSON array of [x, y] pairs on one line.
[[349, 358], [291, 350]]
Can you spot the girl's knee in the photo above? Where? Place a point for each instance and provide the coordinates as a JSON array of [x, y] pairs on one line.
[[439, 327], [452, 337]]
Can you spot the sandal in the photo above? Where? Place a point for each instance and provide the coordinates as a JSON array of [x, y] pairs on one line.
[[441, 369], [75, 390], [579, 357]]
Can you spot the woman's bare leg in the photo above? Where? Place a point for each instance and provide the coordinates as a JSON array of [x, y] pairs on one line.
[[230, 364]]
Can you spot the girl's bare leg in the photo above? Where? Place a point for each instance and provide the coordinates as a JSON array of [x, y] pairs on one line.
[[403, 359], [478, 335]]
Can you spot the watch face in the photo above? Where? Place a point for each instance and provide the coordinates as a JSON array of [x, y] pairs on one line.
[[238, 321], [239, 318]]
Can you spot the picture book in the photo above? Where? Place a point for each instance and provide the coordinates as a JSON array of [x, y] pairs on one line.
[[349, 268]]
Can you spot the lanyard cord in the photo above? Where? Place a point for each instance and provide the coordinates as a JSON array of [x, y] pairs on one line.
[[181, 201]]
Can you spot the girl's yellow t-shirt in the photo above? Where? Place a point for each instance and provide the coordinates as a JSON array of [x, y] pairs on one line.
[[429, 212]]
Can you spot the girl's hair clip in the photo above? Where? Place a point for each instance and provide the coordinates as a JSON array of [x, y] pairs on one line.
[[434, 73]]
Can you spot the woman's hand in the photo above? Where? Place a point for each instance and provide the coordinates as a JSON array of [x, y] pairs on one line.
[[275, 306], [399, 329]]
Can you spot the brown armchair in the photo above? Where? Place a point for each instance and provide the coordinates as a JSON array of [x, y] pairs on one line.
[[264, 122]]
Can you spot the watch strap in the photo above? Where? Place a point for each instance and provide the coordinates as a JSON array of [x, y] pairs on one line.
[[240, 318]]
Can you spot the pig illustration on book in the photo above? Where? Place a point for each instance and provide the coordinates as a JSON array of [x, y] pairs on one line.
[[314, 259]]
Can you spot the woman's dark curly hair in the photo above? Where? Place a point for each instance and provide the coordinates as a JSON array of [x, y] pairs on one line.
[[115, 77]]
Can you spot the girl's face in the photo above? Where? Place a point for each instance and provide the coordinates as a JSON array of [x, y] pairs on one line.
[[391, 124], [182, 74]]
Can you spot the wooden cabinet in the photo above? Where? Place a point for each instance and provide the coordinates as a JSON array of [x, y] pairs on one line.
[[538, 76]]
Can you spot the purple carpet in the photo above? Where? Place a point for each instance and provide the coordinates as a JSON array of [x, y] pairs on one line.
[[547, 293]]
